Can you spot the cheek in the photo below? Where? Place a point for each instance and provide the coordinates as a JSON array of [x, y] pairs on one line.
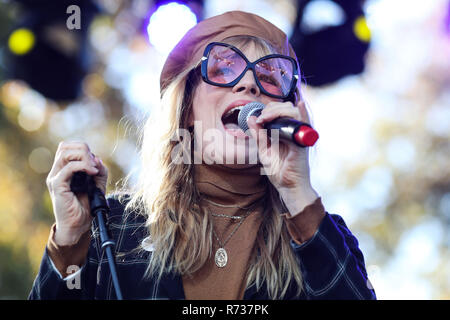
[[204, 106], [202, 112], [198, 106]]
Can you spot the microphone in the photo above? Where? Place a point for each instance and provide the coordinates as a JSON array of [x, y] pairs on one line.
[[83, 183], [301, 133]]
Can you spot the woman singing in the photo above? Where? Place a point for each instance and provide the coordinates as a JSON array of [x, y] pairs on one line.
[[204, 221]]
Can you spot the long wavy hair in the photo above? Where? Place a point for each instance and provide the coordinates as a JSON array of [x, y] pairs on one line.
[[180, 229]]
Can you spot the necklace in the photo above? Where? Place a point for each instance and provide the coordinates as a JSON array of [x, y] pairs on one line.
[[234, 206], [226, 216], [221, 256]]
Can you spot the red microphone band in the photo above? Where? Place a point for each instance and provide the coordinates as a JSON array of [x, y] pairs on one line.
[[306, 136]]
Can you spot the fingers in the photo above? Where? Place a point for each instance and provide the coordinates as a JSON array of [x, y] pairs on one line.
[[276, 110], [72, 157], [272, 111], [69, 151], [63, 177], [102, 170], [102, 176], [257, 134]]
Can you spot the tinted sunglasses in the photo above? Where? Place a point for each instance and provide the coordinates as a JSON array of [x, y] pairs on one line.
[[224, 65]]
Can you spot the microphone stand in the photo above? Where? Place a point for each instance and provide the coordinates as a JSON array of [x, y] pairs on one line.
[[83, 183]]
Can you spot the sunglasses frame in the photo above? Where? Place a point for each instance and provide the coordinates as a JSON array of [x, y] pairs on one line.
[[250, 65]]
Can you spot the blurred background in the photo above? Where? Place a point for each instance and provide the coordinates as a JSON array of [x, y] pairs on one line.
[[376, 78]]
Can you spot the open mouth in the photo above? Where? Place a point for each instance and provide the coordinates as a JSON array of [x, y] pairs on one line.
[[230, 118]]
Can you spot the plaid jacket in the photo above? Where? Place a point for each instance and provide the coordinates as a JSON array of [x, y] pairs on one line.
[[332, 266]]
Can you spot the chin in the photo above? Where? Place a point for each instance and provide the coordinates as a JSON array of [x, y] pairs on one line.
[[238, 166], [240, 152], [236, 148]]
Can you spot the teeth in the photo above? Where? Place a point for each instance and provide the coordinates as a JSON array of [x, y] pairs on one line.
[[232, 110]]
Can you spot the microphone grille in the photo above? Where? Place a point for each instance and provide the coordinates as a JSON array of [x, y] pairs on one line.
[[250, 109]]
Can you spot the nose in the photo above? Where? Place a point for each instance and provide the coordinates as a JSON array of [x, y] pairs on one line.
[[247, 84]]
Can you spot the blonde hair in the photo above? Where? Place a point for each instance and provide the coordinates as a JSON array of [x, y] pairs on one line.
[[180, 229]]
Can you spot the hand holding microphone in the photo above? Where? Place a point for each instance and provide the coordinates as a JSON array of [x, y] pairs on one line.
[[77, 184], [72, 209], [285, 164], [290, 129]]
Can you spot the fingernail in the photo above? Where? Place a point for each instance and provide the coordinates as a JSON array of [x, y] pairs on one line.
[[259, 120]]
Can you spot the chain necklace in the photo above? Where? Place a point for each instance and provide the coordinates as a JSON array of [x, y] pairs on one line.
[[221, 256], [234, 206], [225, 216]]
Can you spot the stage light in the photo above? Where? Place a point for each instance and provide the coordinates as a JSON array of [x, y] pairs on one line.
[[333, 51], [361, 29], [168, 24], [21, 41], [319, 14]]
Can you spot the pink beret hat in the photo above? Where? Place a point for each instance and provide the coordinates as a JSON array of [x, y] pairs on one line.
[[188, 52]]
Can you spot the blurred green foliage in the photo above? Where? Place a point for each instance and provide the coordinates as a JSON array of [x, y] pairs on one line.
[[419, 190]]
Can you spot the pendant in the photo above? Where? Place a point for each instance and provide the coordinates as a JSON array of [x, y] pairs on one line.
[[221, 257]]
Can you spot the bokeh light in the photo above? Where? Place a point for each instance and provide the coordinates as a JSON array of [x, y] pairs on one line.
[[21, 41], [32, 111], [168, 24], [401, 153], [11, 93], [361, 29], [40, 160], [319, 14]]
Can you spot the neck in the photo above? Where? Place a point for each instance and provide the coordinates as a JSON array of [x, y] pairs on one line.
[[226, 189]]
